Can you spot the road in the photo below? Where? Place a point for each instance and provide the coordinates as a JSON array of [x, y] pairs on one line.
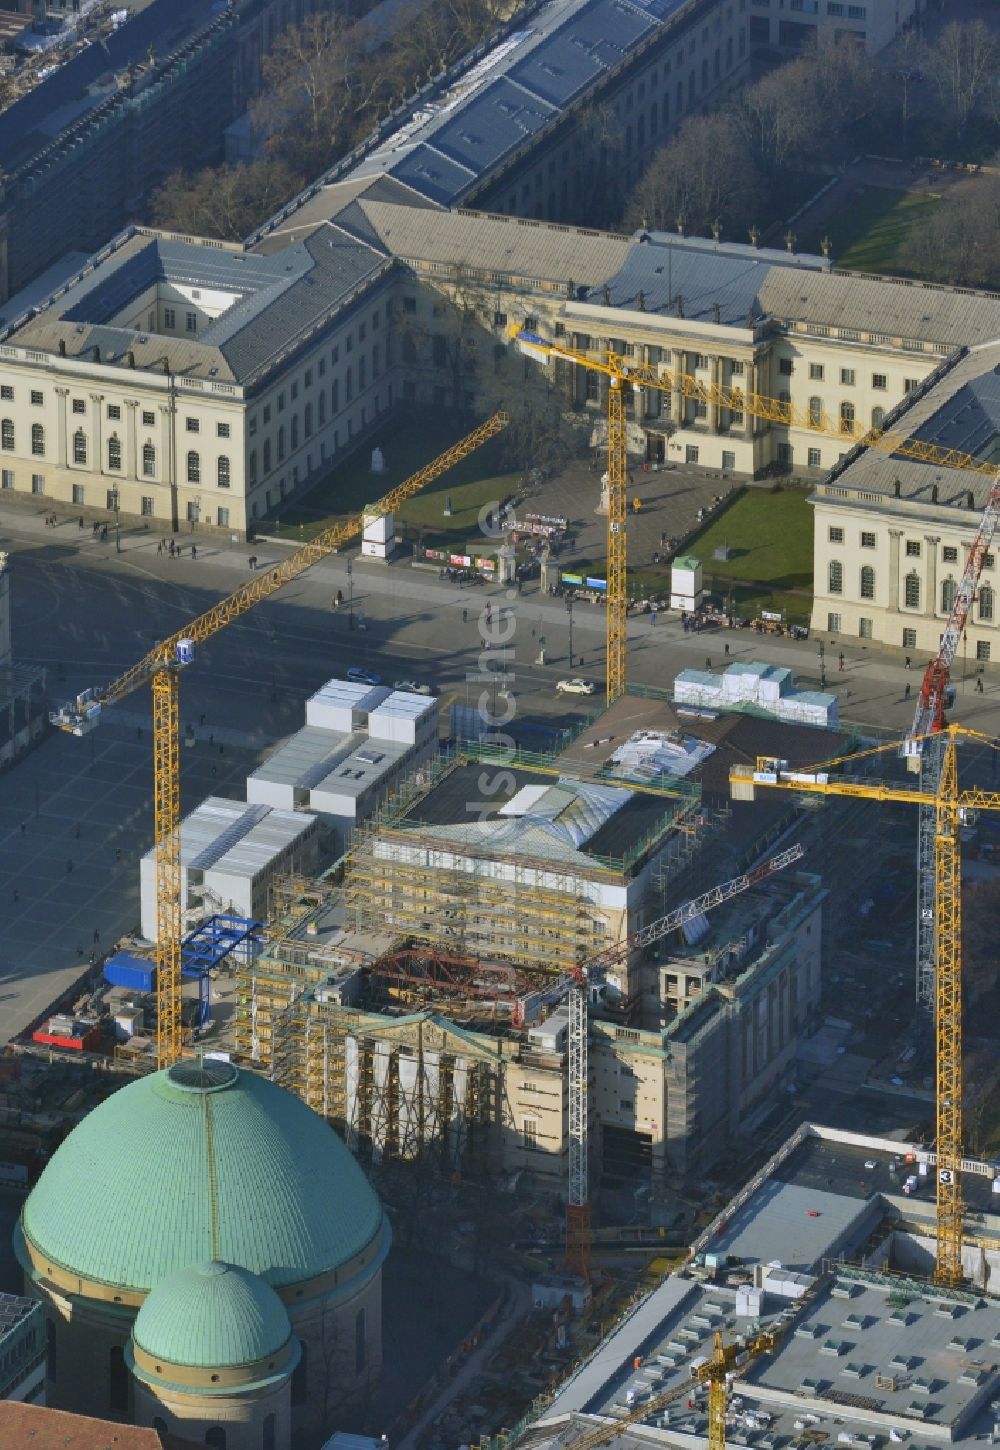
[[76, 814]]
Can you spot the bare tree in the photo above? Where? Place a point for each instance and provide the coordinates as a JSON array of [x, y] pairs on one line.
[[223, 201], [960, 243], [707, 172], [961, 65]]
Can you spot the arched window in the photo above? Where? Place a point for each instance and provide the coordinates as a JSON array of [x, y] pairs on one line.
[[847, 417], [985, 602], [252, 466], [911, 591], [216, 1437], [268, 1437], [117, 1379], [815, 412], [148, 460], [267, 455], [307, 422], [867, 582], [224, 475], [80, 446], [114, 451], [321, 406], [360, 1341], [836, 577], [7, 434], [948, 590], [194, 466], [52, 1364], [878, 417], [299, 1378], [281, 442], [37, 440]]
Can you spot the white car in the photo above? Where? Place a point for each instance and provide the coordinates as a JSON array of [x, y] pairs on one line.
[[413, 687], [576, 687]]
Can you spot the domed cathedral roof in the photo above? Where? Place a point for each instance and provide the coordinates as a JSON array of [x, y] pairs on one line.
[[201, 1163], [212, 1316]]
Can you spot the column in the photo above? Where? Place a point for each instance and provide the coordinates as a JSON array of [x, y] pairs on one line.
[[677, 400], [652, 397], [894, 537], [131, 404], [930, 606], [61, 394], [714, 411], [97, 442], [749, 386], [163, 446]]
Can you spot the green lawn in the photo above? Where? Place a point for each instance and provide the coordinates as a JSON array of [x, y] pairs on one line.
[[868, 236], [770, 537], [410, 441]]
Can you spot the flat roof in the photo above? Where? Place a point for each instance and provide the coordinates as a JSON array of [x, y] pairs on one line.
[[234, 837], [789, 1224], [307, 757], [366, 763]]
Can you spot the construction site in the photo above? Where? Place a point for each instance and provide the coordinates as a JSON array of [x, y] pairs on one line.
[[611, 1020]]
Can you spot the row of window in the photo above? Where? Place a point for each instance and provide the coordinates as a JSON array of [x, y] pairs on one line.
[[281, 401], [113, 411], [147, 504], [114, 454], [912, 589], [914, 548], [834, 624]]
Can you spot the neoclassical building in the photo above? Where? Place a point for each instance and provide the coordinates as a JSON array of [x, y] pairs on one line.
[[209, 1255], [892, 536]]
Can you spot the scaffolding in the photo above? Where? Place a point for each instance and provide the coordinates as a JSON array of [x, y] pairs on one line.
[[472, 909]]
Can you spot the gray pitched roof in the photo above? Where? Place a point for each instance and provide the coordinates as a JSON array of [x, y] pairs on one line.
[[283, 297], [959, 410]]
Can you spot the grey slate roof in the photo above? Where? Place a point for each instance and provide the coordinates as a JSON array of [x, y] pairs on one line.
[[961, 410], [284, 296], [705, 275], [464, 132], [497, 243]]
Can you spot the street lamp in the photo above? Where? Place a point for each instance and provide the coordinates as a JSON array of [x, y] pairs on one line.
[[116, 505], [569, 611], [350, 593]]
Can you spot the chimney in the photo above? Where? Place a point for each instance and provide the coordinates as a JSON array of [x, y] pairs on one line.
[[62, 347]]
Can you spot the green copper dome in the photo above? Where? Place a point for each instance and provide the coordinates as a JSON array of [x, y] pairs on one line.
[[202, 1162], [212, 1316]]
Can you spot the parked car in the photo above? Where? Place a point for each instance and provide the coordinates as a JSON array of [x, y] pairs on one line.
[[358, 676], [575, 687], [413, 686]]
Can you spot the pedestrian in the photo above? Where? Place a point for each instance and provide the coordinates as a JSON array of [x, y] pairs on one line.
[[906, 692], [93, 959], [194, 551], [159, 547], [97, 936], [979, 684], [652, 617], [708, 662], [906, 663], [465, 616], [138, 732], [104, 534], [81, 523], [822, 679], [840, 664], [118, 853], [201, 719], [726, 648]]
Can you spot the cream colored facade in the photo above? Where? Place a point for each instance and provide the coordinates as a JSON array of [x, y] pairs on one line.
[[887, 570]]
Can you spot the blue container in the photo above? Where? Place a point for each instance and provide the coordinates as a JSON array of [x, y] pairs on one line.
[[135, 974]]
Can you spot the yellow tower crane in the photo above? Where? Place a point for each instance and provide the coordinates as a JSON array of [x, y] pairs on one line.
[[713, 1372], [624, 373], [951, 807], [162, 666]]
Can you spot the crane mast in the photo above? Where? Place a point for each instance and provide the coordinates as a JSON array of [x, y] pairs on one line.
[[161, 667], [928, 720], [577, 983]]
